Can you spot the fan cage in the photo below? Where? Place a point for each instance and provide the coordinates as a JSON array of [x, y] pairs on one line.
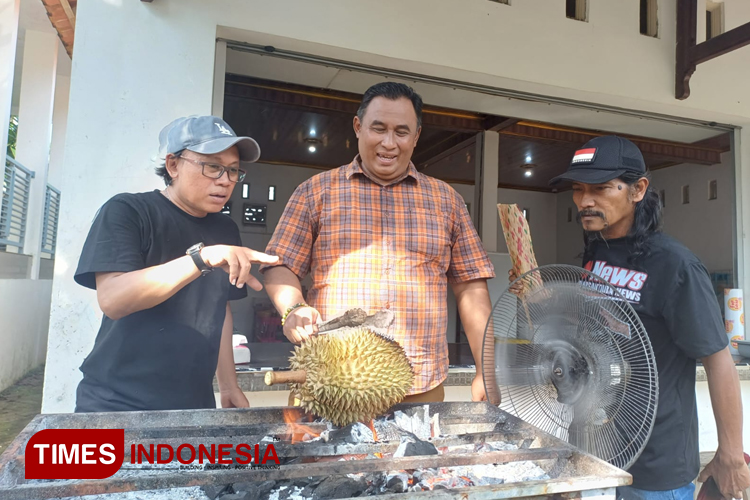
[[566, 312]]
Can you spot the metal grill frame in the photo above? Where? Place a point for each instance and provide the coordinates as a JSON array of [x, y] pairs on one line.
[[574, 474], [14, 207]]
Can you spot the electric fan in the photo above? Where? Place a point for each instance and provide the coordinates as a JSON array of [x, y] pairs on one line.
[[565, 352]]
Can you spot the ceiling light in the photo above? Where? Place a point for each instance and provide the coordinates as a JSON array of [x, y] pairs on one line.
[[312, 132], [528, 169], [528, 158], [312, 149]]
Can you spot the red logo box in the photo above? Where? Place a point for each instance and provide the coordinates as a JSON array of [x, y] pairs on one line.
[[74, 453]]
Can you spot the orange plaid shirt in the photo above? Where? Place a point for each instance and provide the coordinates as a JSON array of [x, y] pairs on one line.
[[384, 247]]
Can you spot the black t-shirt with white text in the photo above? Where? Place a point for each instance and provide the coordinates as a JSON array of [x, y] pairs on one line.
[[671, 292], [164, 357]]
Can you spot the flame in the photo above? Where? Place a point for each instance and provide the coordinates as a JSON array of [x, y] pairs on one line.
[[297, 431], [371, 425]]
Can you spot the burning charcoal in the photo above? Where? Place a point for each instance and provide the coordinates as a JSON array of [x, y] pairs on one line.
[[213, 491], [415, 420], [421, 486], [388, 430], [353, 433], [255, 491], [290, 493], [377, 482], [435, 425], [397, 483], [340, 487], [300, 482], [423, 475], [498, 446], [411, 447]]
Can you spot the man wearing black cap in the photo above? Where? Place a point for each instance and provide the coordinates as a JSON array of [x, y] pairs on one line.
[[671, 291], [165, 265]]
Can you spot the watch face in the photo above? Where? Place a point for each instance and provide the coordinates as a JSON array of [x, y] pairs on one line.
[[195, 248]]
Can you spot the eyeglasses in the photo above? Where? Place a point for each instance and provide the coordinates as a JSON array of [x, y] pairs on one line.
[[215, 170]]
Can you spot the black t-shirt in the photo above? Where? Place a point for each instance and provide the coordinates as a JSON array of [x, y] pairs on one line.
[[671, 291], [164, 357]]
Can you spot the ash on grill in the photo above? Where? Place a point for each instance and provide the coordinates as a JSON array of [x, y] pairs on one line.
[[416, 432]]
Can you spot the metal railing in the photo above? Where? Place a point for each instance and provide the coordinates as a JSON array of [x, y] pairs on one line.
[[14, 207], [51, 218]]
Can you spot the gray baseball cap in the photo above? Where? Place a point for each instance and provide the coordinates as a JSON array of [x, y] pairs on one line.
[[205, 135]]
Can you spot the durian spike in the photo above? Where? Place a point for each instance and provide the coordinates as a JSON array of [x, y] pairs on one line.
[[294, 376]]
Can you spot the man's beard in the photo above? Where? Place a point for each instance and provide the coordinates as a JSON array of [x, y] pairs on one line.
[[592, 213], [592, 235]]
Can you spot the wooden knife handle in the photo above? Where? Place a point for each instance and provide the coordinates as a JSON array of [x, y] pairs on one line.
[[298, 376]]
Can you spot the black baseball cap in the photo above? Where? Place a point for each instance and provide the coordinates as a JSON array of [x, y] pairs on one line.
[[603, 159]]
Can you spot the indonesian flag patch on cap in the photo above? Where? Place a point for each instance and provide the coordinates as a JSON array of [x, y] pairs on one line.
[[584, 155]]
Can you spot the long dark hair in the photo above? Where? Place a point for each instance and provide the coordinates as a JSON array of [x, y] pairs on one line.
[[646, 221]]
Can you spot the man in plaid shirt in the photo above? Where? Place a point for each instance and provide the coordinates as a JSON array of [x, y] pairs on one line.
[[377, 234]]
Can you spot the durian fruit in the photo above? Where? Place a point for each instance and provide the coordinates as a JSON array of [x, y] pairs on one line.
[[348, 375]]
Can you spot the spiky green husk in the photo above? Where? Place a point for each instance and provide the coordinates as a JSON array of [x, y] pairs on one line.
[[353, 375]]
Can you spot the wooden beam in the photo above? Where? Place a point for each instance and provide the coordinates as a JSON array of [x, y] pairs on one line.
[[721, 44], [429, 150], [68, 12], [322, 101], [527, 188], [498, 123], [688, 54], [62, 17], [454, 149], [687, 23], [671, 151]]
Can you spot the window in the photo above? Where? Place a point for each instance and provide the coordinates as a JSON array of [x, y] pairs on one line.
[[576, 9], [271, 193], [649, 18], [712, 190], [245, 191], [714, 19], [685, 194]]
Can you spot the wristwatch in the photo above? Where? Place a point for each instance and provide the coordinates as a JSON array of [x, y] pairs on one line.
[[195, 252]]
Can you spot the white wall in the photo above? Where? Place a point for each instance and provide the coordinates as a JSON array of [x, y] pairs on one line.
[[59, 127], [123, 93], [708, 439], [541, 218], [569, 234], [542, 208], [24, 309], [704, 226]]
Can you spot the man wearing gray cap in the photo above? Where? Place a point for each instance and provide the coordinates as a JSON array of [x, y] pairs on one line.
[[165, 265]]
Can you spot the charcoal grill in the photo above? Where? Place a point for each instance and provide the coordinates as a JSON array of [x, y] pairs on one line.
[[573, 473]]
